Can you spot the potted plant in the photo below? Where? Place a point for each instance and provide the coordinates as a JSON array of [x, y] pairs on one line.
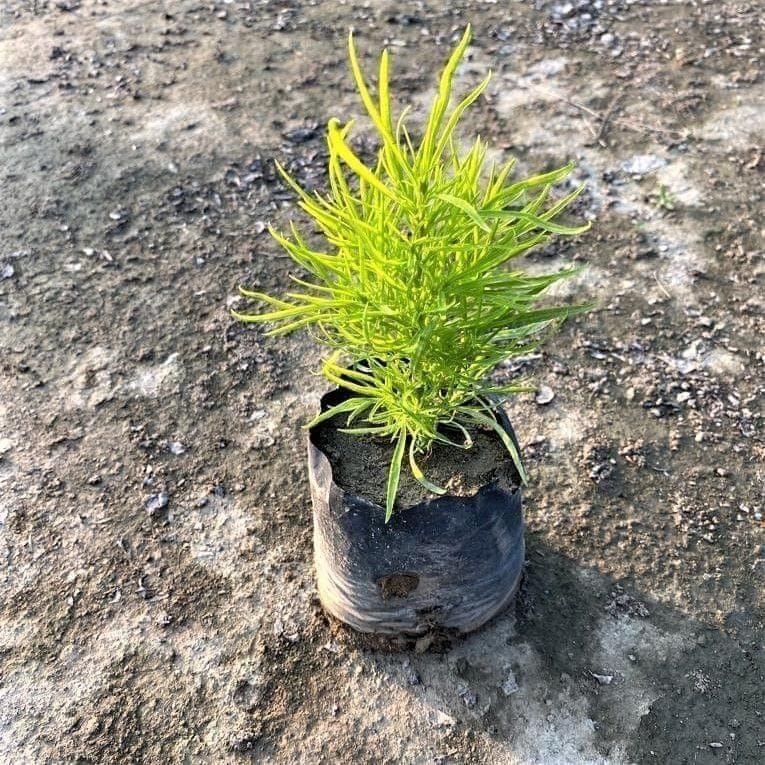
[[416, 302]]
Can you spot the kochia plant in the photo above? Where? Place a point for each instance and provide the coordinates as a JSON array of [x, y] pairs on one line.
[[413, 294]]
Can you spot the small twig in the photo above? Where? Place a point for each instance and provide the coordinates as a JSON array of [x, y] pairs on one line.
[[661, 285], [642, 127], [607, 116], [629, 124], [588, 111], [583, 108]]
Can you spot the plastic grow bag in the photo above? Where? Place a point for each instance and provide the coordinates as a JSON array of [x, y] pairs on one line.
[[451, 562]]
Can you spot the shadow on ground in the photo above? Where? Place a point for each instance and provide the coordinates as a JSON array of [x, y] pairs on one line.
[[587, 670]]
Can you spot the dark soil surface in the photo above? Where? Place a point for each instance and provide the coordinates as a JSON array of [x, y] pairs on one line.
[[360, 466], [157, 599]]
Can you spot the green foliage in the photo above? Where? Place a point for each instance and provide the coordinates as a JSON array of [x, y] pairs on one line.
[[414, 294], [664, 198]]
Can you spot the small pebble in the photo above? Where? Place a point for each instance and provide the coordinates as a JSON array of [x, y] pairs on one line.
[[641, 164], [164, 619], [301, 135], [469, 699], [156, 503], [510, 686], [544, 395]]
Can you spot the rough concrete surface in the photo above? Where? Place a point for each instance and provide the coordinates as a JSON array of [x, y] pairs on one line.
[[157, 601]]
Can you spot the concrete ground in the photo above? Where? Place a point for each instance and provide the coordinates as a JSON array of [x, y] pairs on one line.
[[157, 599]]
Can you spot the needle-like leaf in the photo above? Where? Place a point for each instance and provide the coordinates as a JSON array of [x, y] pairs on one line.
[[394, 474]]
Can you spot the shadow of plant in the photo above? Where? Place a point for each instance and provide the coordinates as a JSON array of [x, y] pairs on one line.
[[588, 671]]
